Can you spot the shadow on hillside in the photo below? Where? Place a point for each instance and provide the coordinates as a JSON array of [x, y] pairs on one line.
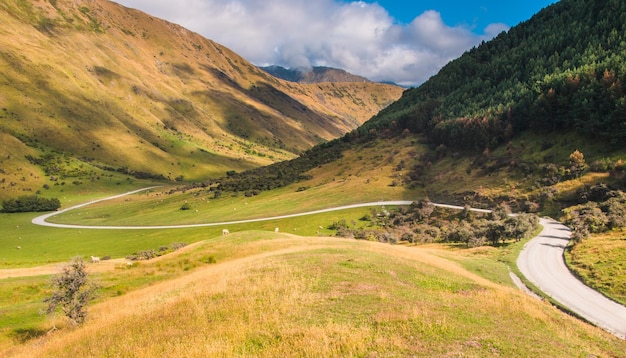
[[23, 335], [282, 102]]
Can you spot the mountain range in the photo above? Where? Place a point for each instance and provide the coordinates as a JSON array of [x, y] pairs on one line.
[[99, 99], [512, 120]]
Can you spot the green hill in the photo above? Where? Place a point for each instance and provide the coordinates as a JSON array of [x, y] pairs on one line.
[[564, 69]]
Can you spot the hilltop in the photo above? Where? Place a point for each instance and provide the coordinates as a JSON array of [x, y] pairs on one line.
[[114, 89]]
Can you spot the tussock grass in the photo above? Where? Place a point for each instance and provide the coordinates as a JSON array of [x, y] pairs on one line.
[[600, 262], [325, 297]]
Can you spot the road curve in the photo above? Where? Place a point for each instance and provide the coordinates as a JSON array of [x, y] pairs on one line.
[[543, 264], [41, 220], [541, 261]]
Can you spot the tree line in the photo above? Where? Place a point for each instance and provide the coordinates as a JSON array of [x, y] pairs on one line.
[[30, 203], [422, 222]]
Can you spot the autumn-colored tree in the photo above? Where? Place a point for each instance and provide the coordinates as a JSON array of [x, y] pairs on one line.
[[577, 163]]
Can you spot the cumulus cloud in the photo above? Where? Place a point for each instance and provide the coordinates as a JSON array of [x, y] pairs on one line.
[[359, 37]]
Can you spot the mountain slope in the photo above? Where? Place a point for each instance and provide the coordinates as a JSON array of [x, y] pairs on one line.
[[115, 86], [564, 69], [499, 124], [316, 74]]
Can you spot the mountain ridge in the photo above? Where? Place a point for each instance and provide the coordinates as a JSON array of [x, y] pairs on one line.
[[118, 87], [315, 74]]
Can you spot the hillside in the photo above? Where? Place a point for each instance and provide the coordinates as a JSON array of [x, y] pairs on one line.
[[114, 88], [267, 295], [533, 118], [562, 70], [317, 74]]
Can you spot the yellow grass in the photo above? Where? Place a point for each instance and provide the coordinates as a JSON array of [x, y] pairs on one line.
[[291, 296], [600, 261]]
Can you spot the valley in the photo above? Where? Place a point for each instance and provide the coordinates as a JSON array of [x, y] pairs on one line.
[[234, 213]]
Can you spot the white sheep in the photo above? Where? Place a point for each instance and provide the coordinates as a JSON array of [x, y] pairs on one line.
[[276, 230], [225, 232], [95, 260]]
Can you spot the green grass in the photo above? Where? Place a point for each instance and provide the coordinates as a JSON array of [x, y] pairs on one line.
[[41, 245]]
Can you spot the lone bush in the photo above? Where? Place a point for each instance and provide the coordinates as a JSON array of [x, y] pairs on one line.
[[72, 291]]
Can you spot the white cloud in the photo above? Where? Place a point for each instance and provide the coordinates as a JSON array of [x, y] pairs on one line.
[[359, 37]]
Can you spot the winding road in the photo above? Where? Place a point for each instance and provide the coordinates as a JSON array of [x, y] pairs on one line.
[[541, 261], [543, 264], [41, 220]]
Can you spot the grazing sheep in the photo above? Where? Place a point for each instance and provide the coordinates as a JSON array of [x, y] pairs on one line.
[[19, 247], [225, 232], [276, 230], [95, 260]]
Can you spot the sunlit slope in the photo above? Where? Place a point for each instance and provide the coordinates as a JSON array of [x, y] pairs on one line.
[[279, 295], [103, 82]]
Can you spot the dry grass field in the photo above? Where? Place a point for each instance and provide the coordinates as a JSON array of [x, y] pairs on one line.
[[274, 295], [600, 262]]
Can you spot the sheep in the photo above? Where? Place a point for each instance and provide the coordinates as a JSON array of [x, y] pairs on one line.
[[276, 230], [225, 232], [95, 260]]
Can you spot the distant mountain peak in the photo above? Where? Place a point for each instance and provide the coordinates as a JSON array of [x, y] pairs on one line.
[[316, 74]]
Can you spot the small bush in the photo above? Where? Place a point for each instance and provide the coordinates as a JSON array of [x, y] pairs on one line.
[[142, 255], [72, 291]]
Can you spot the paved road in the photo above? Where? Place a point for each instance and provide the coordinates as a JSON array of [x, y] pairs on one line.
[[41, 220], [543, 263]]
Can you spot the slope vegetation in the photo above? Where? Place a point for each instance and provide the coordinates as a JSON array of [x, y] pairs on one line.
[[115, 86]]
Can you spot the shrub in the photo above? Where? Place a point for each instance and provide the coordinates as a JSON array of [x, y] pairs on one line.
[[142, 255], [30, 203], [72, 291]]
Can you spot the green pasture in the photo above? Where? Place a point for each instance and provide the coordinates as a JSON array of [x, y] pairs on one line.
[[154, 207], [24, 244]]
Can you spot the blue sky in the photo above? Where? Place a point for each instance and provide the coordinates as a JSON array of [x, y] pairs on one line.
[[474, 14], [405, 42]]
